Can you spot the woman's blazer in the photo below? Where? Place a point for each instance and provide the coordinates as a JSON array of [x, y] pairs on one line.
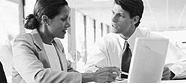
[[31, 64]]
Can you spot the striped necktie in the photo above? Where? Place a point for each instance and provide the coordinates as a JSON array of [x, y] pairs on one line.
[[126, 58]]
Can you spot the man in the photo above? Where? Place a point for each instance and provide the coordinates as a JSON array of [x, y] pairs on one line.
[[109, 49]]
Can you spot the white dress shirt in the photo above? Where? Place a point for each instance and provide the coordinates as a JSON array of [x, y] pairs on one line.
[[107, 51]]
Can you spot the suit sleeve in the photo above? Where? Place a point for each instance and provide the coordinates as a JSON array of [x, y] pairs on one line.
[[98, 56], [31, 68]]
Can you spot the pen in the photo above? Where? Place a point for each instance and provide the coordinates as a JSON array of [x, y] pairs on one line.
[[121, 72], [98, 67]]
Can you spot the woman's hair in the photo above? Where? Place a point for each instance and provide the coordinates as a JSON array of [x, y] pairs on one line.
[[134, 7], [50, 8]]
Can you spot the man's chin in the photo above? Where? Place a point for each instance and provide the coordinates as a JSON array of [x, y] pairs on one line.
[[114, 31]]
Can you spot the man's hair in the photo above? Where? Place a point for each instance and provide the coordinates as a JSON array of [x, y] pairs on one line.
[[134, 7]]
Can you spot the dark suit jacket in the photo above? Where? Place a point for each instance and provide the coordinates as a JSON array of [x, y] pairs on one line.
[[2, 75]]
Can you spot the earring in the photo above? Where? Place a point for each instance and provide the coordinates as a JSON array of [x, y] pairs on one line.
[[46, 23]]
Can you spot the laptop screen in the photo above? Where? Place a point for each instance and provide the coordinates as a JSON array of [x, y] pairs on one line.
[[148, 60]]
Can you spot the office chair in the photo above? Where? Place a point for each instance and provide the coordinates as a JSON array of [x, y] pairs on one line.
[[2, 74]]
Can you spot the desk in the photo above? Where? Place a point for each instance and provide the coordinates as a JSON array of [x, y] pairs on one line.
[[163, 81], [173, 81]]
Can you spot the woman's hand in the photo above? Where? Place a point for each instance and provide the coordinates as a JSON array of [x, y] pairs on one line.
[[106, 74], [102, 75]]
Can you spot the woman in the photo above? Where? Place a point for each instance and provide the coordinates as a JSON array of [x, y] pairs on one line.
[[39, 57]]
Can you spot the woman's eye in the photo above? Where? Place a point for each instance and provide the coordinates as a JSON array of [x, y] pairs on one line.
[[64, 18], [68, 18]]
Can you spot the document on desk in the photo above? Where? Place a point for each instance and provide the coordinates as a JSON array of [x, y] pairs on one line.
[[173, 81], [163, 81], [120, 80]]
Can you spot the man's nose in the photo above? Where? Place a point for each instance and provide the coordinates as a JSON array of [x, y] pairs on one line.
[[114, 18]]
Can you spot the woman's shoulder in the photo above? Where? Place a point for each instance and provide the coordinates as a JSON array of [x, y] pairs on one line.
[[24, 37]]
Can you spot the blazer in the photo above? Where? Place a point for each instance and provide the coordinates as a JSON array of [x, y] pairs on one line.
[[31, 64], [2, 74]]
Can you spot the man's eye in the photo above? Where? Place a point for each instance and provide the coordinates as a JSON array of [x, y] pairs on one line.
[[122, 16], [63, 19], [113, 12], [118, 14]]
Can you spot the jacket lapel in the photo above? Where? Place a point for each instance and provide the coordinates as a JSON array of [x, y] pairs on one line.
[[61, 54], [40, 49], [42, 54]]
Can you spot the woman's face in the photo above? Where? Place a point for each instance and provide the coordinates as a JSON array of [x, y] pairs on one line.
[[59, 24], [121, 21]]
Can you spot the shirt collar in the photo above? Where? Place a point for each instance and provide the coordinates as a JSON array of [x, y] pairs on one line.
[[131, 40]]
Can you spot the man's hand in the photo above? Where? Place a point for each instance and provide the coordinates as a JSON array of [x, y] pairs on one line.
[[166, 73]]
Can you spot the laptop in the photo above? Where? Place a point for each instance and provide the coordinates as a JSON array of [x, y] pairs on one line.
[[148, 60]]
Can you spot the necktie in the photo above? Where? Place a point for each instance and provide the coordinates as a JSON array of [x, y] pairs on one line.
[[126, 58]]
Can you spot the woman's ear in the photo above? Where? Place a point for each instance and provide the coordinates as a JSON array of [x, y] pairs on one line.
[[45, 20], [135, 19]]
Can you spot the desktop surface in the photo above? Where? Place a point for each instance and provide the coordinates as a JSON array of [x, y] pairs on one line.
[[162, 81]]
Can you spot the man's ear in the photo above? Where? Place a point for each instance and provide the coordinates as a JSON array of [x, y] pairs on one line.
[[135, 19], [45, 20]]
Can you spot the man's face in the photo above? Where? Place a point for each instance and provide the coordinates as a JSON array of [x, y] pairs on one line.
[[121, 21]]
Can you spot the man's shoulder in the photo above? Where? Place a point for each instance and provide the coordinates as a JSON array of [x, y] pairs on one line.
[[109, 38]]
